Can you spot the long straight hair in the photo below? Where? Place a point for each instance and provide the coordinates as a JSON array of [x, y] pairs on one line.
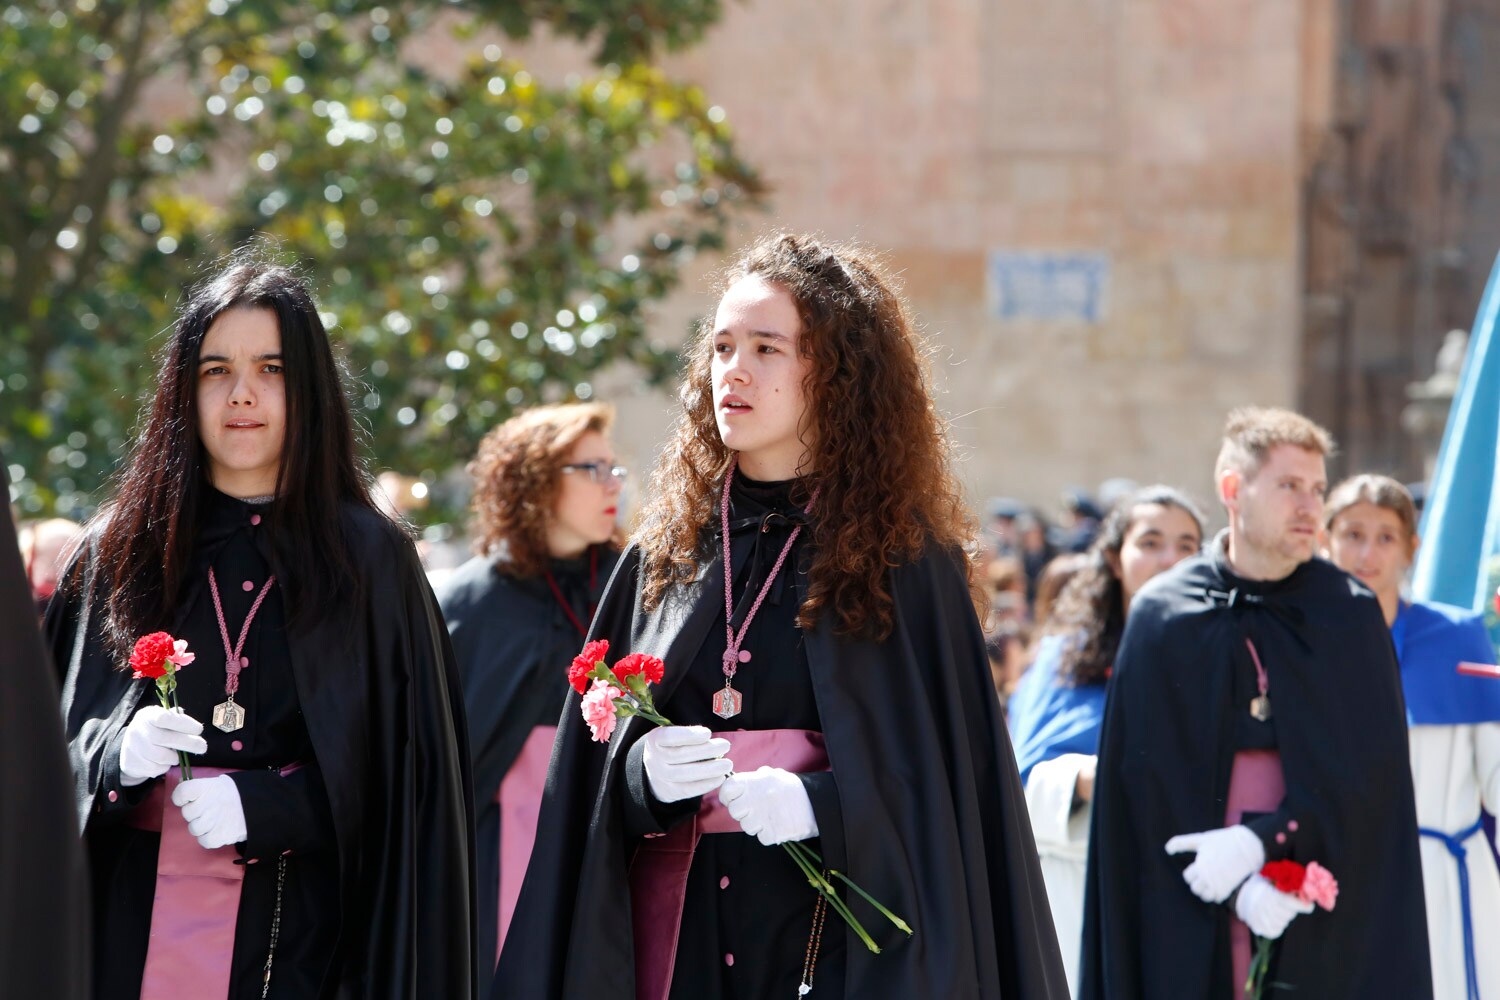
[[150, 525]]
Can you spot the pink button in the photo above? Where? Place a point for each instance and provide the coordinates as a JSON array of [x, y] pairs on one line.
[[1281, 838], [244, 662], [1292, 826], [724, 882], [247, 586], [254, 518], [251, 861], [237, 745], [114, 796], [729, 958]]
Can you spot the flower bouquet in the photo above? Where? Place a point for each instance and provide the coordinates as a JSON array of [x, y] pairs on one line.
[[156, 657], [610, 694], [1310, 883]]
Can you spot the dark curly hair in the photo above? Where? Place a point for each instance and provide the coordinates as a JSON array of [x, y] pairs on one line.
[[1090, 611], [880, 452], [517, 476]]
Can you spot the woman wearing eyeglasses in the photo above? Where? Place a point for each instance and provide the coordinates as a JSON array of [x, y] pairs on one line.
[[546, 498]]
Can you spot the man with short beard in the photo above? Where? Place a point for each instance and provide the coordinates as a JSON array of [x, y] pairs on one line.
[[1255, 714]]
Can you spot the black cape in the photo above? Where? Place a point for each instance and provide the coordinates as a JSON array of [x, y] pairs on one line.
[[377, 686], [512, 642], [934, 815], [44, 940], [1177, 708]]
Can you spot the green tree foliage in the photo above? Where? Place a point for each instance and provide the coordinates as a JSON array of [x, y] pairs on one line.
[[478, 240]]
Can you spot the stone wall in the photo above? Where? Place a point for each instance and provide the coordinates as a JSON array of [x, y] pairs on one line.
[[1093, 207]]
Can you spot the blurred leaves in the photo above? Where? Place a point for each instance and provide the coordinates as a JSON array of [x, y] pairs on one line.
[[478, 240]]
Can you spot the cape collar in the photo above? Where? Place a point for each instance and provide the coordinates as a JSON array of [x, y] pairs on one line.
[[1236, 593]]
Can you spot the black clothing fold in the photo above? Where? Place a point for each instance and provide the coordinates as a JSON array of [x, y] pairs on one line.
[[378, 901], [44, 938], [931, 808], [512, 642], [1177, 712]]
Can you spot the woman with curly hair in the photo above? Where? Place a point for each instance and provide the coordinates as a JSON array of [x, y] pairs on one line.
[[800, 571], [1057, 709], [546, 500]]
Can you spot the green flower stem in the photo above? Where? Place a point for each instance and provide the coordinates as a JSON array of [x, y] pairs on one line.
[[169, 700], [900, 924], [828, 892]]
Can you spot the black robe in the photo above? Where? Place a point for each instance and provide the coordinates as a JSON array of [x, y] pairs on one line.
[[44, 940], [512, 642], [381, 819], [934, 820], [1177, 713]]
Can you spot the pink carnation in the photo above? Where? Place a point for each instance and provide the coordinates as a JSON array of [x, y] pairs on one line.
[[599, 710], [180, 654], [1319, 886]]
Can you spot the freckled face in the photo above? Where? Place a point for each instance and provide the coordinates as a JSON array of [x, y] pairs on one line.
[[758, 378]]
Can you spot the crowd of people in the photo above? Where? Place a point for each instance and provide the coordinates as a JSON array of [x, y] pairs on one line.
[[852, 746]]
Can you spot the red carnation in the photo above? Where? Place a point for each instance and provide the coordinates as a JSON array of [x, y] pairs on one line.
[[585, 662], [641, 663], [149, 658], [1286, 876]]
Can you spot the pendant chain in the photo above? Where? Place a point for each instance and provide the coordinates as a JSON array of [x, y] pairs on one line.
[[728, 702]]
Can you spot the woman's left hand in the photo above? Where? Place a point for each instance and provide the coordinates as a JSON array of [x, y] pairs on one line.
[[770, 804]]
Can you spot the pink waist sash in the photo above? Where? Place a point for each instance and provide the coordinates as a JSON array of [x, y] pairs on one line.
[[1255, 786], [659, 870], [520, 801], [197, 900]]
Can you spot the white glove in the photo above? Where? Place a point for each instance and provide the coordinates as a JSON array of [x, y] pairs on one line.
[[684, 761], [213, 810], [1265, 909], [771, 805], [1225, 859], [151, 741]]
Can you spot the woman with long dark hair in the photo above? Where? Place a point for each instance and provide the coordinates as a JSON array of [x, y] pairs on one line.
[[320, 846], [1453, 719], [833, 661], [546, 537], [1057, 709]]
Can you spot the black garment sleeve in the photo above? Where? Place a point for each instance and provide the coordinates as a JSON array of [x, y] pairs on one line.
[[644, 813], [116, 799], [284, 812], [823, 793], [1278, 833]]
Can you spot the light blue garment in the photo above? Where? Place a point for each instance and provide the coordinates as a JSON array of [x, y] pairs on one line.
[[1461, 522], [1049, 717]]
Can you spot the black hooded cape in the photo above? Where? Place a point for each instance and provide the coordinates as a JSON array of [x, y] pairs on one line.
[[44, 938], [377, 687], [1171, 724], [934, 817], [512, 642]]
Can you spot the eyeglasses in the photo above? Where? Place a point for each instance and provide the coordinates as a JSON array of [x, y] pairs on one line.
[[600, 471]]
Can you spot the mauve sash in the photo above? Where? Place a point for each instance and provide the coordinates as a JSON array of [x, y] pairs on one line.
[[1255, 786], [520, 801], [659, 870], [197, 900]]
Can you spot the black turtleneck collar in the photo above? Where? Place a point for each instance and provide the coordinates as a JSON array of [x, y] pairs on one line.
[[223, 515], [757, 498]]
